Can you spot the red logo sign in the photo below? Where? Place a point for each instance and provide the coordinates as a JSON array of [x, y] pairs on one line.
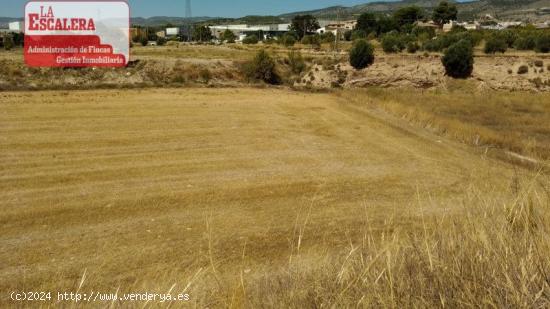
[[77, 33]]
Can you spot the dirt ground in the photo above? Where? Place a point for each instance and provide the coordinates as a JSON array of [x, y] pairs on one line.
[[426, 71], [185, 65], [145, 189]]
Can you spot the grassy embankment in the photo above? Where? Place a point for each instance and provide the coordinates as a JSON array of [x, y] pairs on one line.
[[515, 121]]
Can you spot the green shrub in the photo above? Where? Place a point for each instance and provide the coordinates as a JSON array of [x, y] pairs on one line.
[[495, 44], [459, 60], [542, 43], [8, 43], [228, 36], [250, 39], [412, 47], [287, 40], [262, 67], [539, 63], [525, 42], [296, 62], [144, 40], [358, 34], [523, 69], [313, 40], [161, 41], [361, 54], [432, 45], [393, 43]]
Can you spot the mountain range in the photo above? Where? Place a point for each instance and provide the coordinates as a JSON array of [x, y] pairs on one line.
[[524, 10]]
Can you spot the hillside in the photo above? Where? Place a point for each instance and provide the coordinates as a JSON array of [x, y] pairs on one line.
[[522, 10]]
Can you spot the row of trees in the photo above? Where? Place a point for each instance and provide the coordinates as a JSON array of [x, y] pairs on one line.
[[458, 59]]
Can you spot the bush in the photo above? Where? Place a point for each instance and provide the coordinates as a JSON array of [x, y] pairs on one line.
[[250, 39], [361, 54], [358, 34], [313, 40], [8, 43], [262, 67], [542, 43], [523, 69], [287, 40], [296, 62], [459, 60], [144, 41], [525, 42], [228, 36], [412, 47], [161, 41], [539, 63], [495, 44], [393, 43]]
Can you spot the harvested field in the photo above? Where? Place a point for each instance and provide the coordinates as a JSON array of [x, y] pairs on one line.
[[214, 189]]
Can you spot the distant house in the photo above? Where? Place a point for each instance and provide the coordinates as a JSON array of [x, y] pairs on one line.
[[429, 24], [17, 26], [467, 25]]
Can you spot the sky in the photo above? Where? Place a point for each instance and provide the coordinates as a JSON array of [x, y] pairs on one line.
[[212, 8]]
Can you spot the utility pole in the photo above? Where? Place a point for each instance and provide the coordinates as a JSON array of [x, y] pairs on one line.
[[188, 16]]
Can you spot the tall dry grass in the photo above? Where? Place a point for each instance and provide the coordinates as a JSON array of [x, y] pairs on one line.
[[514, 121], [495, 255]]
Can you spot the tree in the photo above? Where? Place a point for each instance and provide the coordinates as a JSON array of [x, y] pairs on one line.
[[202, 34], [459, 60], [361, 54], [304, 24], [367, 22], [228, 36], [386, 24], [444, 13], [408, 15], [542, 43]]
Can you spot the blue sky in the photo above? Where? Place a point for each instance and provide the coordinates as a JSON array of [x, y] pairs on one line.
[[223, 8]]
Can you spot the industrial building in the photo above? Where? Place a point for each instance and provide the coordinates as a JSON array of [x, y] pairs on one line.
[[242, 31]]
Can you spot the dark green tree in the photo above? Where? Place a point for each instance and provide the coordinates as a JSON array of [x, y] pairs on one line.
[[228, 36], [367, 22], [251, 39], [304, 24], [361, 54], [202, 34], [408, 15], [444, 13], [458, 60]]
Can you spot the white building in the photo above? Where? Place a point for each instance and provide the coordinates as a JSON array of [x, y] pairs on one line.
[[17, 26], [241, 31], [172, 31]]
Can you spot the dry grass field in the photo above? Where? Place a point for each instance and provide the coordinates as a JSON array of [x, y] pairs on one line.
[[260, 198], [515, 121]]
